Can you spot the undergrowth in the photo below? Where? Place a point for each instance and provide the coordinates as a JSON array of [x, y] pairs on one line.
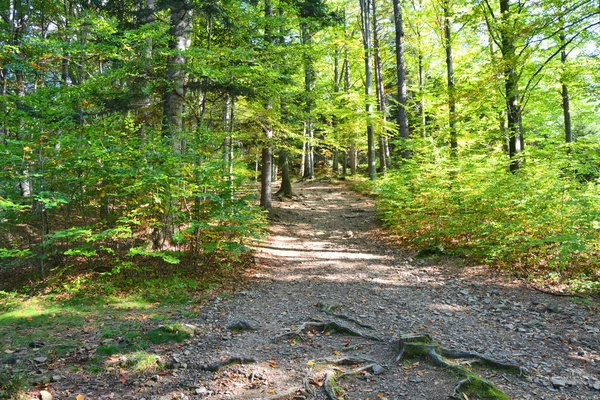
[[542, 222]]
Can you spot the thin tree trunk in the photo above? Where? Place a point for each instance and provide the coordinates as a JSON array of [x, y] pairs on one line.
[[450, 79], [379, 88], [366, 34], [352, 159], [401, 77], [309, 74], [566, 102]]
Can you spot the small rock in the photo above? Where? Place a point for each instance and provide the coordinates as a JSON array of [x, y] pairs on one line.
[[348, 235], [377, 369], [56, 378], [241, 326], [40, 359], [558, 382], [45, 395], [202, 390], [596, 386], [553, 307]]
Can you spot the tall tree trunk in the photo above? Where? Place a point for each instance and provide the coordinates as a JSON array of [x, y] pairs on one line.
[[309, 76], [180, 31], [566, 102], [267, 151], [366, 34], [401, 77], [511, 88], [450, 79], [379, 88], [352, 158]]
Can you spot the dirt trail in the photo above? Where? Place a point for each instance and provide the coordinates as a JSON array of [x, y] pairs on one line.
[[326, 250]]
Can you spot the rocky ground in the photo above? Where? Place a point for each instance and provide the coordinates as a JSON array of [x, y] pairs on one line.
[[327, 274]]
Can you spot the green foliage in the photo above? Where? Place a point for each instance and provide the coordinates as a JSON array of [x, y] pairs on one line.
[[540, 220], [13, 383], [168, 333]]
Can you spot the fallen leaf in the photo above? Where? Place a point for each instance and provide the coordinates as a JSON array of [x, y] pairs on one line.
[[80, 397], [123, 379]]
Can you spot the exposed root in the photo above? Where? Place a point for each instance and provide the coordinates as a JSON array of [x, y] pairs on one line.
[[372, 368], [481, 359], [330, 386], [323, 326], [233, 360], [328, 309], [422, 346], [350, 360]]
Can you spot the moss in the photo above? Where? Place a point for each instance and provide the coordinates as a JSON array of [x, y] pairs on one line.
[[481, 389], [168, 333]]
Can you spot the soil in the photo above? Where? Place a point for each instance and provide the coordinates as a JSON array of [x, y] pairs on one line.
[[327, 260]]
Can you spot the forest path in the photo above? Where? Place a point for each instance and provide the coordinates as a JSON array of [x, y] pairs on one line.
[[326, 248], [327, 252]]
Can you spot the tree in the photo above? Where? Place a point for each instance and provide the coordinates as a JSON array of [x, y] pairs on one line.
[[402, 119]]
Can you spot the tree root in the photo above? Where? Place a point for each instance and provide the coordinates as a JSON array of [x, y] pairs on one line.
[[233, 360], [330, 386], [350, 360], [328, 309], [481, 359], [324, 326], [373, 368], [422, 346]]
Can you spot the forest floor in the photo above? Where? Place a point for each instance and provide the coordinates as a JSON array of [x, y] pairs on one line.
[[324, 275]]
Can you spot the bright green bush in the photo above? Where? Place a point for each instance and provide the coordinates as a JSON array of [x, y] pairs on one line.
[[545, 218]]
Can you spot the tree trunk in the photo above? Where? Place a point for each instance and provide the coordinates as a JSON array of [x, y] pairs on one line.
[[450, 79], [366, 34], [401, 77], [566, 102], [286, 182], [267, 152], [180, 31], [352, 159], [379, 88], [511, 88], [309, 74]]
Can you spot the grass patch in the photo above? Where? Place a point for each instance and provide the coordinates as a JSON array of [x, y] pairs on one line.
[[168, 333], [13, 384], [143, 362], [108, 350]]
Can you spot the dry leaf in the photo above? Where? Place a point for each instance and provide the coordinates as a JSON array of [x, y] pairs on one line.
[[80, 397]]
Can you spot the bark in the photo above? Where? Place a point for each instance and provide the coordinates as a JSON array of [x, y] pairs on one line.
[[450, 79], [379, 87], [286, 182], [511, 88], [401, 76], [366, 34], [267, 152], [352, 159], [309, 74], [566, 102], [180, 31]]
